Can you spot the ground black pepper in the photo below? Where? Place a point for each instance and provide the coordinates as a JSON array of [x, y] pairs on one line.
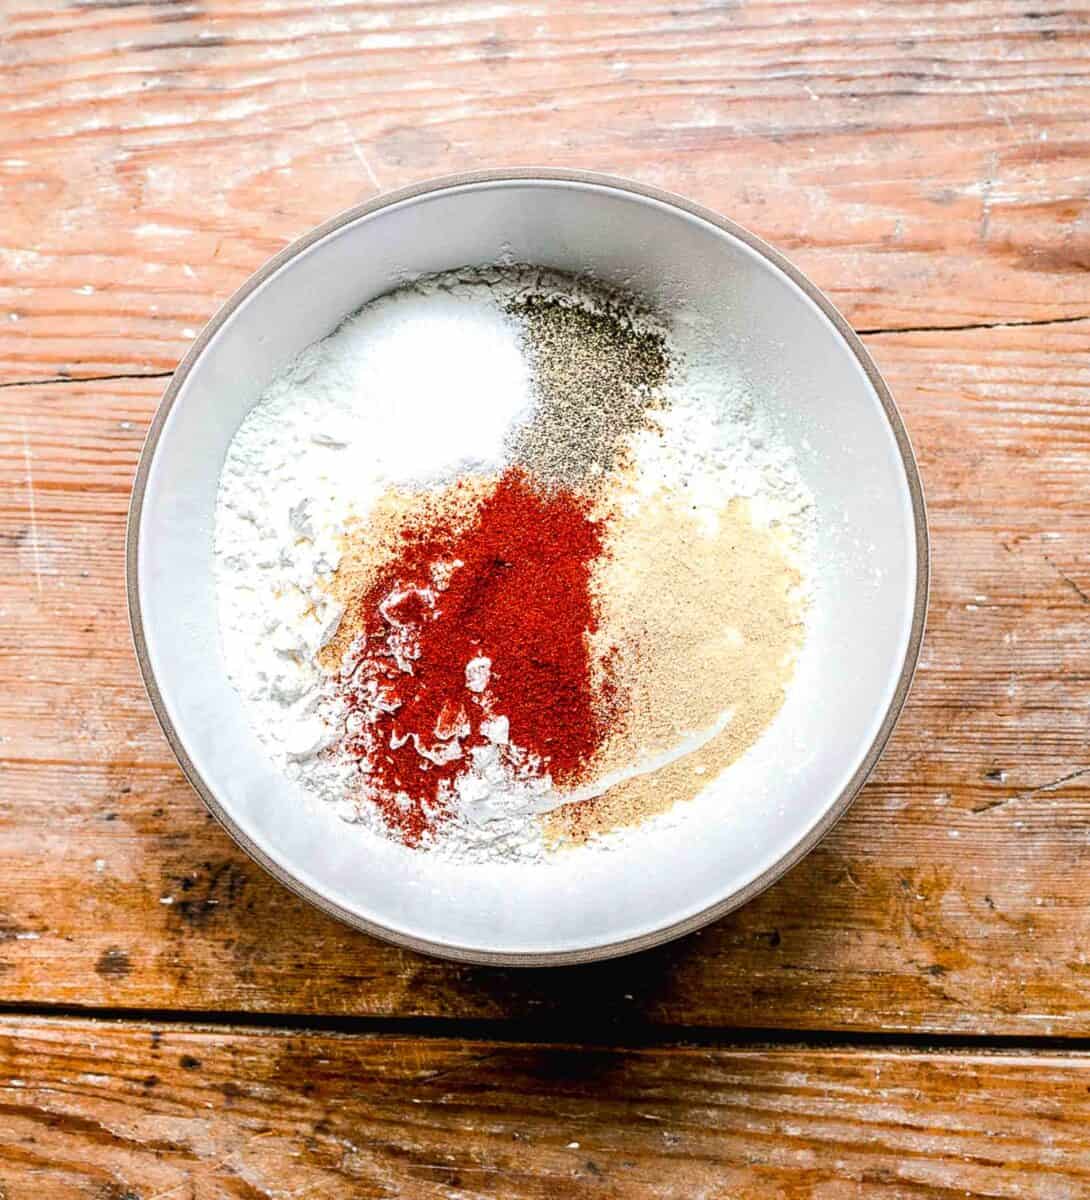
[[599, 373]]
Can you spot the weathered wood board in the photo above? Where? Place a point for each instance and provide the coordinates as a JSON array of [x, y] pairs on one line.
[[94, 1110], [927, 163], [954, 897]]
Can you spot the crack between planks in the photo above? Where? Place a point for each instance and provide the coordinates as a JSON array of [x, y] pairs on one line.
[[623, 1036], [973, 325], [20, 383]]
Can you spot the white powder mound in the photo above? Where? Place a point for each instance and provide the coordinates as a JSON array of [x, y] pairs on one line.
[[495, 817], [420, 387], [714, 443]]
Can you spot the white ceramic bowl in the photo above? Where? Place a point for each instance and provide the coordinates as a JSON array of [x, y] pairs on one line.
[[822, 390]]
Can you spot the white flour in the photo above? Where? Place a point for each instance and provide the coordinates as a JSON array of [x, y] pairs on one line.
[[715, 443], [351, 415], [357, 412]]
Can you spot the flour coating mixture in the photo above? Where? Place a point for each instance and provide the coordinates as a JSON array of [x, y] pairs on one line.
[[507, 565]]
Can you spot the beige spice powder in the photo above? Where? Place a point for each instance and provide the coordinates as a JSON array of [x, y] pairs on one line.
[[692, 623], [368, 546]]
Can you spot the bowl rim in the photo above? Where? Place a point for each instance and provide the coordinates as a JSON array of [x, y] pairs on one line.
[[835, 811]]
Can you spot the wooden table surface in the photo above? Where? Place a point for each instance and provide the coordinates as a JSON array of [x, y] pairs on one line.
[[907, 1013]]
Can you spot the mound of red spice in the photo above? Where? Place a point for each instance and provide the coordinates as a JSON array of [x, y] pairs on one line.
[[519, 596]]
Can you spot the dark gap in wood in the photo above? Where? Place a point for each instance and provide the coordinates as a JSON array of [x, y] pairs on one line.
[[17, 383], [971, 326], [618, 1034]]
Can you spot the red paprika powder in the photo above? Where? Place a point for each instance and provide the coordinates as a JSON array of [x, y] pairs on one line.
[[517, 592]]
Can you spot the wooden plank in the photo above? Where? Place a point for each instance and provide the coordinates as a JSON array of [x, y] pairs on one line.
[[955, 896], [95, 1110], [927, 163]]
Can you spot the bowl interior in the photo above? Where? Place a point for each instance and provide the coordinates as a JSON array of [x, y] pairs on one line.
[[764, 809]]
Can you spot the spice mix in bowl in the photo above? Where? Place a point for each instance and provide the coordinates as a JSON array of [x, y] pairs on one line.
[[524, 589], [519, 579]]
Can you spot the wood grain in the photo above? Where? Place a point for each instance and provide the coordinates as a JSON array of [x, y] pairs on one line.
[[955, 896], [926, 163], [95, 1110]]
